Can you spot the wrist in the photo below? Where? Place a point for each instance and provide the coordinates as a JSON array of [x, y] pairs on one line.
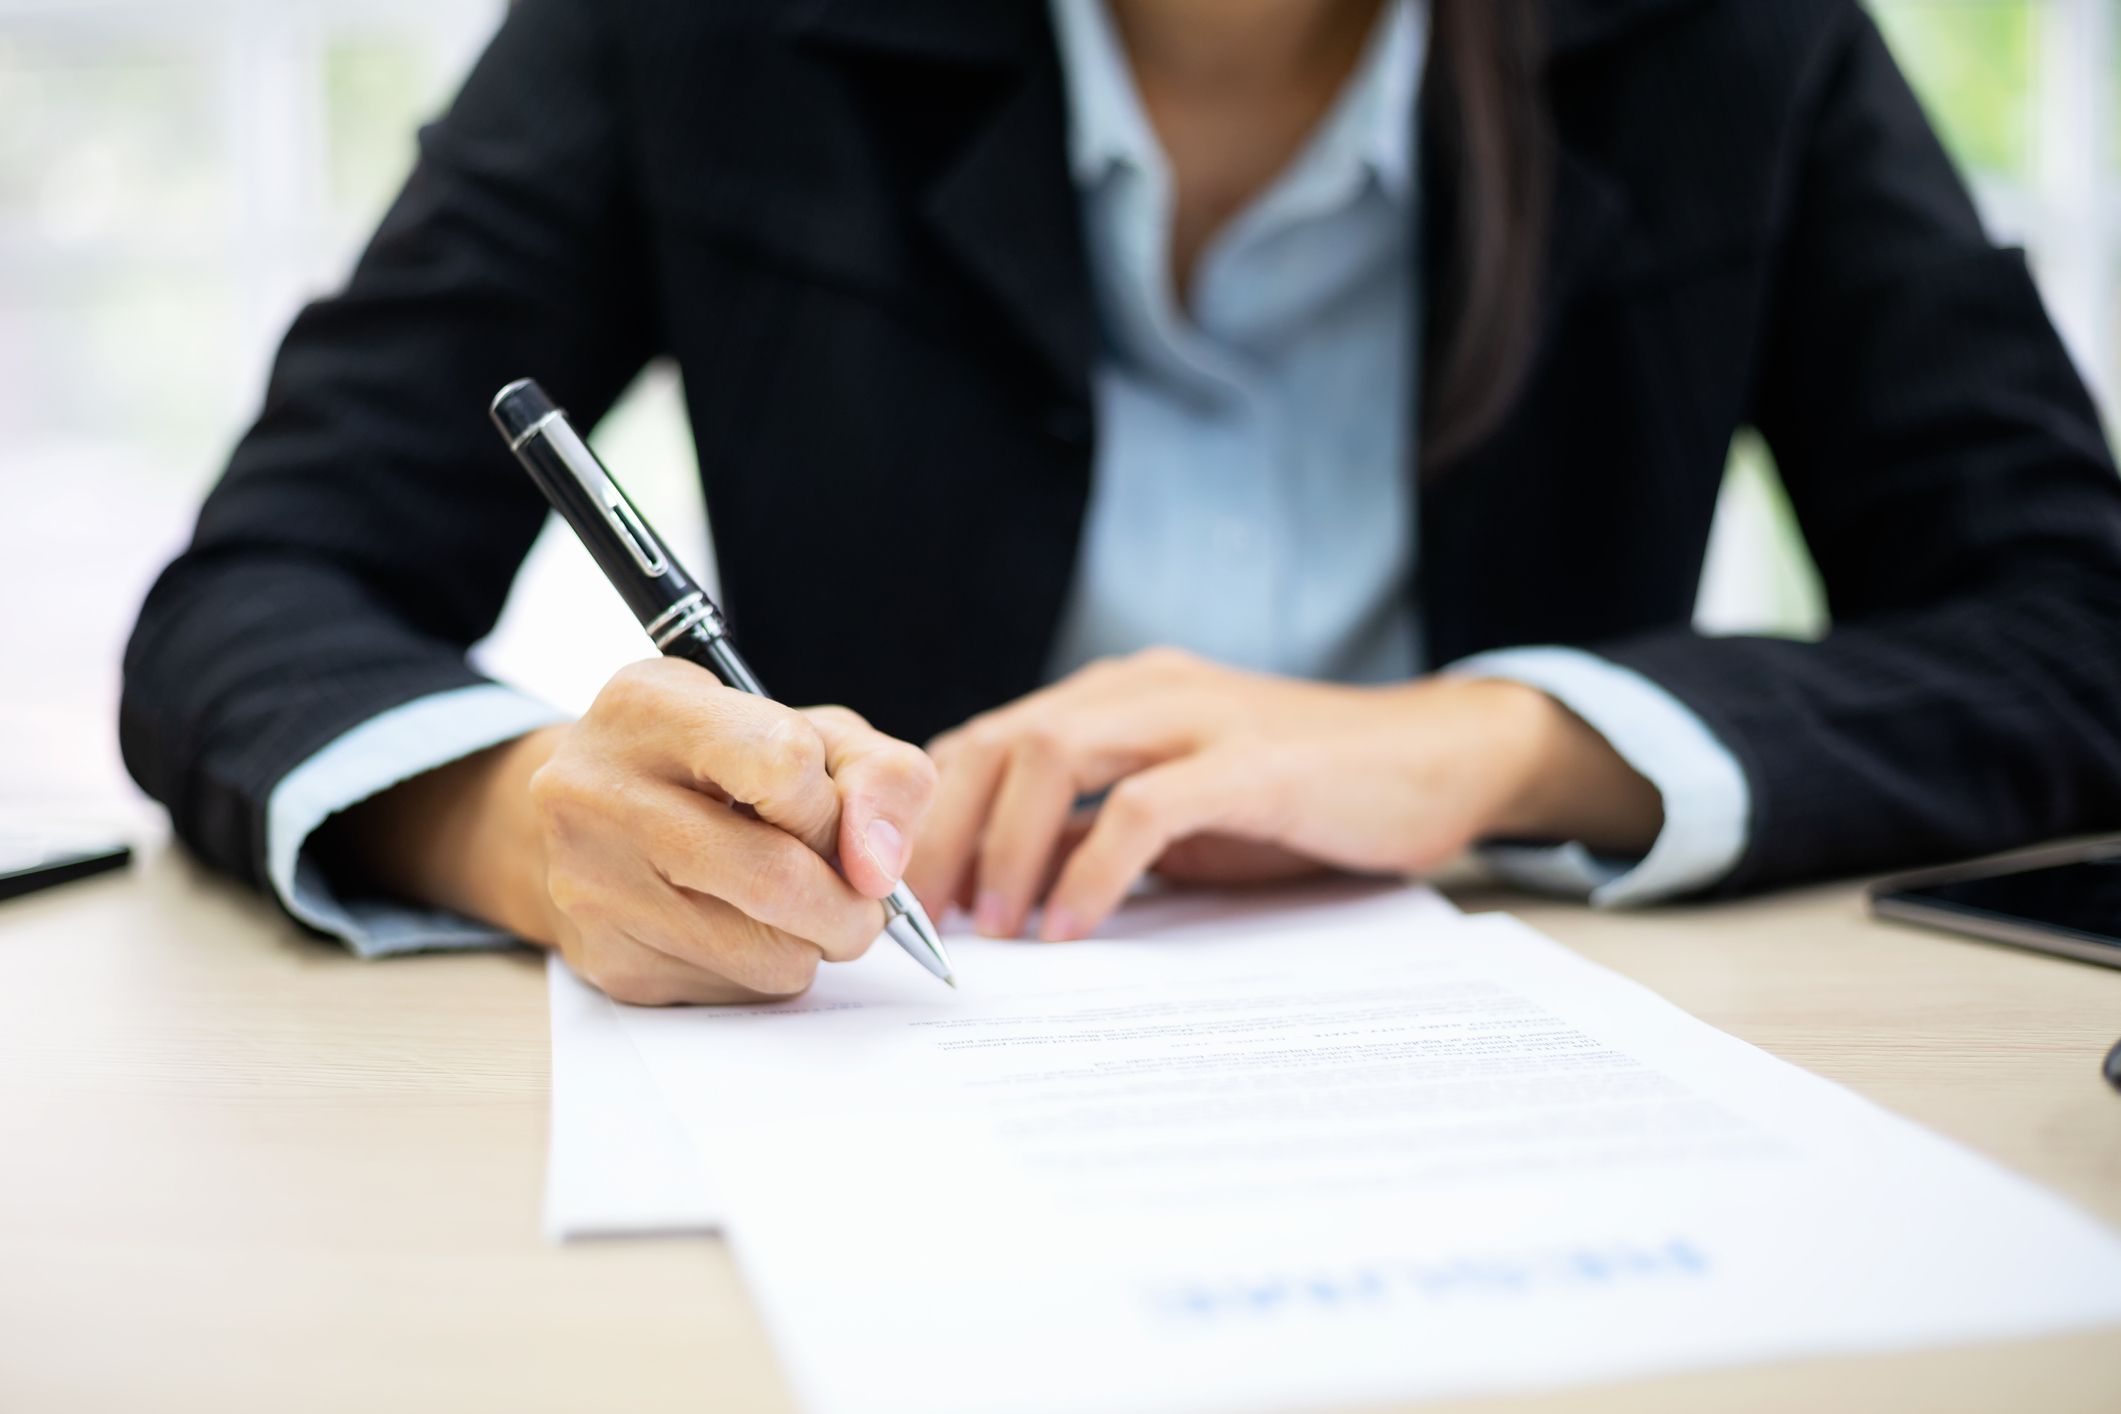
[[462, 837], [498, 861], [1561, 780], [1527, 735]]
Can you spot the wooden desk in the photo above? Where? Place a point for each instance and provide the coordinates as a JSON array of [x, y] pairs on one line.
[[240, 1171]]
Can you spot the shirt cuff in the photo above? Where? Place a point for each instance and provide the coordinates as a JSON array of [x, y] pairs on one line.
[[376, 755], [1707, 801]]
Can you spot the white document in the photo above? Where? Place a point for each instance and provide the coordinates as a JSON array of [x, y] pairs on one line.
[[1326, 1155], [619, 1163]]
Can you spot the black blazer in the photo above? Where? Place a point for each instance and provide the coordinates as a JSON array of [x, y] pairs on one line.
[[852, 226]]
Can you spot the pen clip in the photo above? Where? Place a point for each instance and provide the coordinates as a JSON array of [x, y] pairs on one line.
[[619, 514], [646, 552]]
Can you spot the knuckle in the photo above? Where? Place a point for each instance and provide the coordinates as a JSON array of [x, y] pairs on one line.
[[631, 689], [548, 790], [833, 714], [1133, 806], [912, 770], [788, 749], [1043, 742], [556, 785], [987, 733], [572, 896], [922, 770], [782, 870]]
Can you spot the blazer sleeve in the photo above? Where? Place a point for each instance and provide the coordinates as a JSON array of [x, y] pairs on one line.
[[370, 523], [1950, 476]]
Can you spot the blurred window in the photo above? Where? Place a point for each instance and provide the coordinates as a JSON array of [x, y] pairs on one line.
[[176, 177], [2027, 95]]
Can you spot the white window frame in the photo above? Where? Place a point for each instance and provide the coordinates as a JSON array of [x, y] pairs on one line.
[[279, 243]]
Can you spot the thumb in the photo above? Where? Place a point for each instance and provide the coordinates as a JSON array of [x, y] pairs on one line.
[[885, 787]]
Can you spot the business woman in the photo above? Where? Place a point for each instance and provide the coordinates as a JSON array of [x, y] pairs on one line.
[[1297, 420]]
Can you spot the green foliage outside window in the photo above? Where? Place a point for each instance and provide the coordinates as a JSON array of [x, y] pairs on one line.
[[1971, 61]]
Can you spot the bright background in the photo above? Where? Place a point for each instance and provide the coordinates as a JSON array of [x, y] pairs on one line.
[[178, 176]]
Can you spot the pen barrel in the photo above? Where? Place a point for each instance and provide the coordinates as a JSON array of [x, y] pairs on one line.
[[645, 574], [714, 652]]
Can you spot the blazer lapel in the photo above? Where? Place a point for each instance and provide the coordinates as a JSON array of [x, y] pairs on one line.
[[1483, 498], [1000, 203], [1574, 26]]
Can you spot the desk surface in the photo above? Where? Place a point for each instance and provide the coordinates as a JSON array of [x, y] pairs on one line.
[[239, 1170]]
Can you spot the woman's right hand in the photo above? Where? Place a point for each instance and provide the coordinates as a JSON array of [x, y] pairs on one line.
[[619, 839]]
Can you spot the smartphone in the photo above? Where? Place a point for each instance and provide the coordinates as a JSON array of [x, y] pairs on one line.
[[38, 859], [2065, 901]]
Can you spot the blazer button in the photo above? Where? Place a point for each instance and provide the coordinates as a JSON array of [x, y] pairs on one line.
[[1069, 425]]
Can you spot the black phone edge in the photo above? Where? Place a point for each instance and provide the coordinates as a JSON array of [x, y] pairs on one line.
[[1989, 866], [1998, 928], [24, 882]]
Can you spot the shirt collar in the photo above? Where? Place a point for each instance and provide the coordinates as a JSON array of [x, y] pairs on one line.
[[1371, 123]]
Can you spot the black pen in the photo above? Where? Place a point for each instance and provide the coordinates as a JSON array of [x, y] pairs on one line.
[[674, 610]]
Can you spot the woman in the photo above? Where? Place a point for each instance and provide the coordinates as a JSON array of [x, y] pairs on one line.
[[1338, 341]]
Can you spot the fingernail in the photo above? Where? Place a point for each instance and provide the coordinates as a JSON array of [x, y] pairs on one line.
[[991, 915], [887, 847], [1060, 926]]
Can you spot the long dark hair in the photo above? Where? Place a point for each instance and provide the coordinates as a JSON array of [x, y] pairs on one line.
[[1487, 129]]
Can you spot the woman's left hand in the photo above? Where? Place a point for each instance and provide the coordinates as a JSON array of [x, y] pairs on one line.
[[1213, 772]]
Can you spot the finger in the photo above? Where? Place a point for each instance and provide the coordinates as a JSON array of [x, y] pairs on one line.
[[1031, 808], [1048, 770], [1140, 819], [681, 724], [1113, 736], [765, 873], [608, 889], [945, 752], [941, 869], [717, 937], [632, 972], [1073, 831], [1226, 859], [885, 787], [727, 941], [943, 744]]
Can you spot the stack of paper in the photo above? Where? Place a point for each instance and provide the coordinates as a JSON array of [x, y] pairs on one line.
[[1346, 1149], [619, 1163]]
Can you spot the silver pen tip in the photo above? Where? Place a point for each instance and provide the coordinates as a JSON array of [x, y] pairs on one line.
[[908, 926]]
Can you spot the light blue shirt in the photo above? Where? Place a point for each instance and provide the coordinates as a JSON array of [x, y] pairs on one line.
[[1251, 500]]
